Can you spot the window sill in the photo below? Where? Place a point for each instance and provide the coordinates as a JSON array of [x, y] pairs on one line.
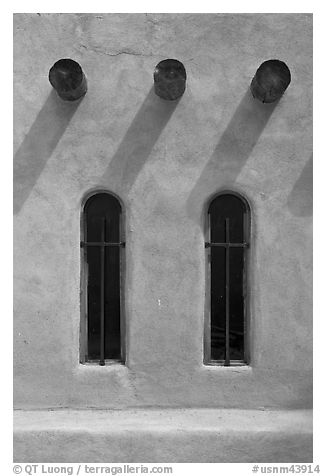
[[93, 368], [107, 363], [234, 367], [220, 363]]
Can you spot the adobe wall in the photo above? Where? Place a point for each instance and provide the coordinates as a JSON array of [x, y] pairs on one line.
[[164, 160]]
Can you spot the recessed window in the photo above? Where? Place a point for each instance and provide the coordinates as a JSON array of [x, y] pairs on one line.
[[226, 333], [102, 256]]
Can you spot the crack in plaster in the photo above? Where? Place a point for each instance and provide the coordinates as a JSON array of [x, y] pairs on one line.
[[123, 52]]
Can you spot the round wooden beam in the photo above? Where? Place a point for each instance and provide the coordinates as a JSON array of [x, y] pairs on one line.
[[270, 81], [170, 79], [68, 79]]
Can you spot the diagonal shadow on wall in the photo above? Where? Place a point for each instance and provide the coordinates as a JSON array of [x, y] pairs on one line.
[[300, 200], [139, 140], [38, 145], [231, 152]]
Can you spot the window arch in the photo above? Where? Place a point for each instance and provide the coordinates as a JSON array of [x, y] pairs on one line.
[[101, 245], [226, 335]]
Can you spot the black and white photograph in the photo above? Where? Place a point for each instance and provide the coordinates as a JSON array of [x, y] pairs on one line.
[[162, 242]]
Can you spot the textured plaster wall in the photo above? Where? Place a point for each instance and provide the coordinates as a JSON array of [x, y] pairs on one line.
[[164, 160], [161, 435]]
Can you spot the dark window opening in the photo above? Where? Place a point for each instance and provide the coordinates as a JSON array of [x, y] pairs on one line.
[[229, 240], [102, 251]]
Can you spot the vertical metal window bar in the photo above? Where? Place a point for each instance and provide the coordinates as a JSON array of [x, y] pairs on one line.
[[102, 328], [227, 245], [102, 244], [227, 293], [244, 277]]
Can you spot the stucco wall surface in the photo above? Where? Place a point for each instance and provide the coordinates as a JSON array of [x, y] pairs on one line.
[[169, 435], [164, 160]]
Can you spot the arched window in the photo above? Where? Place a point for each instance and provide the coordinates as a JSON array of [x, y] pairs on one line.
[[226, 335], [102, 279]]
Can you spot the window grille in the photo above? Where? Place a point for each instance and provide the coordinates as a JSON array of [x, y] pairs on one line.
[[226, 338], [102, 259]]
